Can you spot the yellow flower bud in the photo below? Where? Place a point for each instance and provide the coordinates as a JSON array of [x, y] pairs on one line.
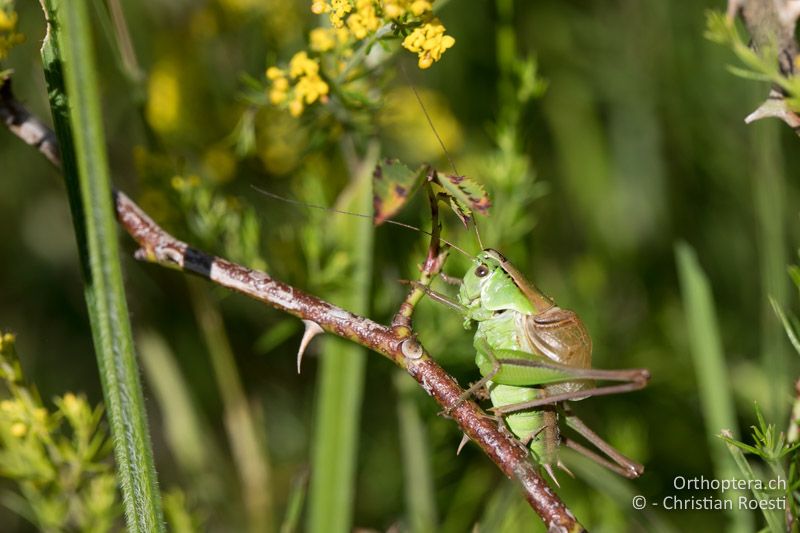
[[19, 429], [296, 108], [420, 6], [318, 8], [277, 97], [321, 39], [8, 21], [274, 73]]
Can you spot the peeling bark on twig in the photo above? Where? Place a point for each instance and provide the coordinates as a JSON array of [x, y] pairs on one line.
[[30, 129]]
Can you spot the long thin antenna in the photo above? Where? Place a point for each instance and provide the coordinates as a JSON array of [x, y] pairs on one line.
[[477, 232], [360, 215], [429, 119], [441, 142]]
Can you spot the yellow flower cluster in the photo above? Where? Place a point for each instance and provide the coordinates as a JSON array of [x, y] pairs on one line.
[[308, 84], [337, 10], [326, 39], [8, 34], [394, 9], [301, 84], [429, 42], [365, 20]]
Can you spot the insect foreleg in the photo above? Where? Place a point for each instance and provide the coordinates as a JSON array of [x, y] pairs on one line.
[[437, 296], [450, 280], [484, 380]]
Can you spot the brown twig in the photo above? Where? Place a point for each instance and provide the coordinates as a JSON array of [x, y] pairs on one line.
[[397, 343], [157, 246], [27, 127], [430, 269], [771, 25]]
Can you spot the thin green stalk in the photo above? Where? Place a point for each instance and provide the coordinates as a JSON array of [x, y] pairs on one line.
[[186, 432], [419, 487], [716, 396], [467, 500], [769, 194], [506, 511], [772, 516], [69, 64], [246, 436], [341, 380], [294, 505]]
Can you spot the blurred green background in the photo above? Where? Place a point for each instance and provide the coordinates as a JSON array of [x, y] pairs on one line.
[[638, 143]]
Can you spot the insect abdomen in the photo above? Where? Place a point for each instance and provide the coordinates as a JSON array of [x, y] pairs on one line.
[[537, 427]]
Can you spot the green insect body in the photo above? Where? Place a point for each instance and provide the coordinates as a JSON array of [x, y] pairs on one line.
[[534, 357], [520, 327]]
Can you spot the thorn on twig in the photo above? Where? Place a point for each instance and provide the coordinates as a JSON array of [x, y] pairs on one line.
[[312, 330], [775, 108], [464, 441]]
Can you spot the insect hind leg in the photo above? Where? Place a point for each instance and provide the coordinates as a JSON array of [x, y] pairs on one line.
[[621, 464], [632, 380]]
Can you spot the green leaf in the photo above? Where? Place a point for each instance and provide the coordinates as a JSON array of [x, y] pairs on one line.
[[794, 273], [711, 372], [787, 326], [465, 196], [417, 469], [747, 74], [772, 517], [393, 183]]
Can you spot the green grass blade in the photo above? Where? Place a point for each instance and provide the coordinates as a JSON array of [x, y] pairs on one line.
[[341, 380], [466, 504], [419, 490], [188, 436], [618, 489], [787, 325], [769, 194], [716, 396], [68, 50], [506, 511], [247, 437], [294, 505]]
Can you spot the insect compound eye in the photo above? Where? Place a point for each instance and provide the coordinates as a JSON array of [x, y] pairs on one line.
[[481, 271]]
